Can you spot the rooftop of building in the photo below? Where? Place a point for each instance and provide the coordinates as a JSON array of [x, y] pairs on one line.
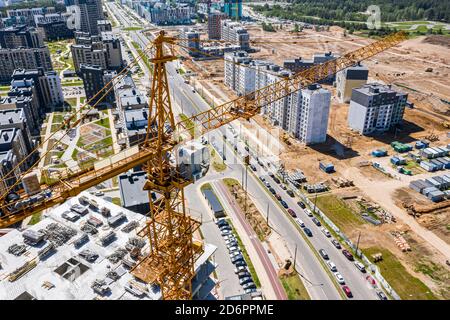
[[62, 273], [373, 89], [136, 115], [11, 116], [7, 135], [131, 186]]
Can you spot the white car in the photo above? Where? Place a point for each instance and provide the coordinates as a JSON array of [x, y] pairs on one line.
[[228, 237], [308, 213], [360, 266], [326, 232], [300, 223], [234, 254], [234, 248], [339, 278], [240, 269], [332, 266]]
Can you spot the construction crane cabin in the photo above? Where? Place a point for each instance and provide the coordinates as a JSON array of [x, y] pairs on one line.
[[169, 229]]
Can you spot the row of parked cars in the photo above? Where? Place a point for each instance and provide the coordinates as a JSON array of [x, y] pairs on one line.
[[236, 256]]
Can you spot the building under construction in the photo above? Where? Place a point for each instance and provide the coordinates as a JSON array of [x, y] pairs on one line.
[[84, 249]]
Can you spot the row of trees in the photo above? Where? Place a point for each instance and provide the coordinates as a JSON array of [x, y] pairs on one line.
[[355, 10]]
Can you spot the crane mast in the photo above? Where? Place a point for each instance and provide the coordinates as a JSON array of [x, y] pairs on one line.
[[173, 250]]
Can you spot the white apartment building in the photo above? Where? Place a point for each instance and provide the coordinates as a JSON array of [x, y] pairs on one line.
[[376, 108], [235, 34], [309, 113]]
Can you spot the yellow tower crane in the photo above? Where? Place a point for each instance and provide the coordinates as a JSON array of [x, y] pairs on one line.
[[173, 252]]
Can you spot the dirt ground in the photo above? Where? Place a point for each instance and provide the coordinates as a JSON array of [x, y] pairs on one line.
[[419, 67], [421, 253]]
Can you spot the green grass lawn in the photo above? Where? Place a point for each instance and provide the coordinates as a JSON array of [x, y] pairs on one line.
[[294, 287], [206, 186], [188, 124], [35, 218], [217, 161], [406, 285], [71, 101], [116, 201], [104, 122], [338, 212], [132, 29], [145, 59], [58, 118], [74, 83], [55, 127]]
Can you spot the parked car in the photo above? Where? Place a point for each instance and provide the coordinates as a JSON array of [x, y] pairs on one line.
[[267, 184], [278, 197], [235, 253], [237, 258], [336, 243], [301, 205], [290, 193], [262, 178], [232, 243], [253, 167], [272, 190], [360, 266], [332, 266], [221, 222], [348, 255], [228, 237], [243, 274], [284, 204], [316, 222], [325, 232], [324, 254], [240, 263], [233, 248], [308, 232], [371, 280], [339, 277], [292, 213], [347, 291], [225, 232], [381, 295], [300, 223], [225, 227], [283, 187], [251, 290], [245, 280], [240, 269], [249, 285], [276, 180], [308, 213]]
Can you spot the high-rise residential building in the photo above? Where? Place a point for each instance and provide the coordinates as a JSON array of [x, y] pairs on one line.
[[104, 26], [214, 25], [15, 118], [94, 79], [235, 33], [47, 86], [349, 79], [23, 58], [161, 13], [29, 14], [232, 69], [376, 108], [20, 36], [28, 105], [104, 51], [300, 64], [91, 12], [309, 113], [233, 8], [53, 26], [191, 41]]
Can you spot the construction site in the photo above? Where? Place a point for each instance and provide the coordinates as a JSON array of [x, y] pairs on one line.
[[82, 249], [404, 67]]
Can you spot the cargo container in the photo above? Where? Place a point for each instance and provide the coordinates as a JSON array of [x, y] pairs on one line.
[[418, 185], [427, 191], [439, 165], [379, 153], [326, 167], [405, 171], [435, 183], [396, 160], [422, 144], [31, 183], [436, 196], [428, 166]]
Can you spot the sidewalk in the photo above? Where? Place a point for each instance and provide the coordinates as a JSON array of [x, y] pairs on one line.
[[267, 274]]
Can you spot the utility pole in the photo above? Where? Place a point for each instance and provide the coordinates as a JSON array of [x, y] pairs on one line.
[[295, 255], [267, 221], [357, 244], [315, 201]]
